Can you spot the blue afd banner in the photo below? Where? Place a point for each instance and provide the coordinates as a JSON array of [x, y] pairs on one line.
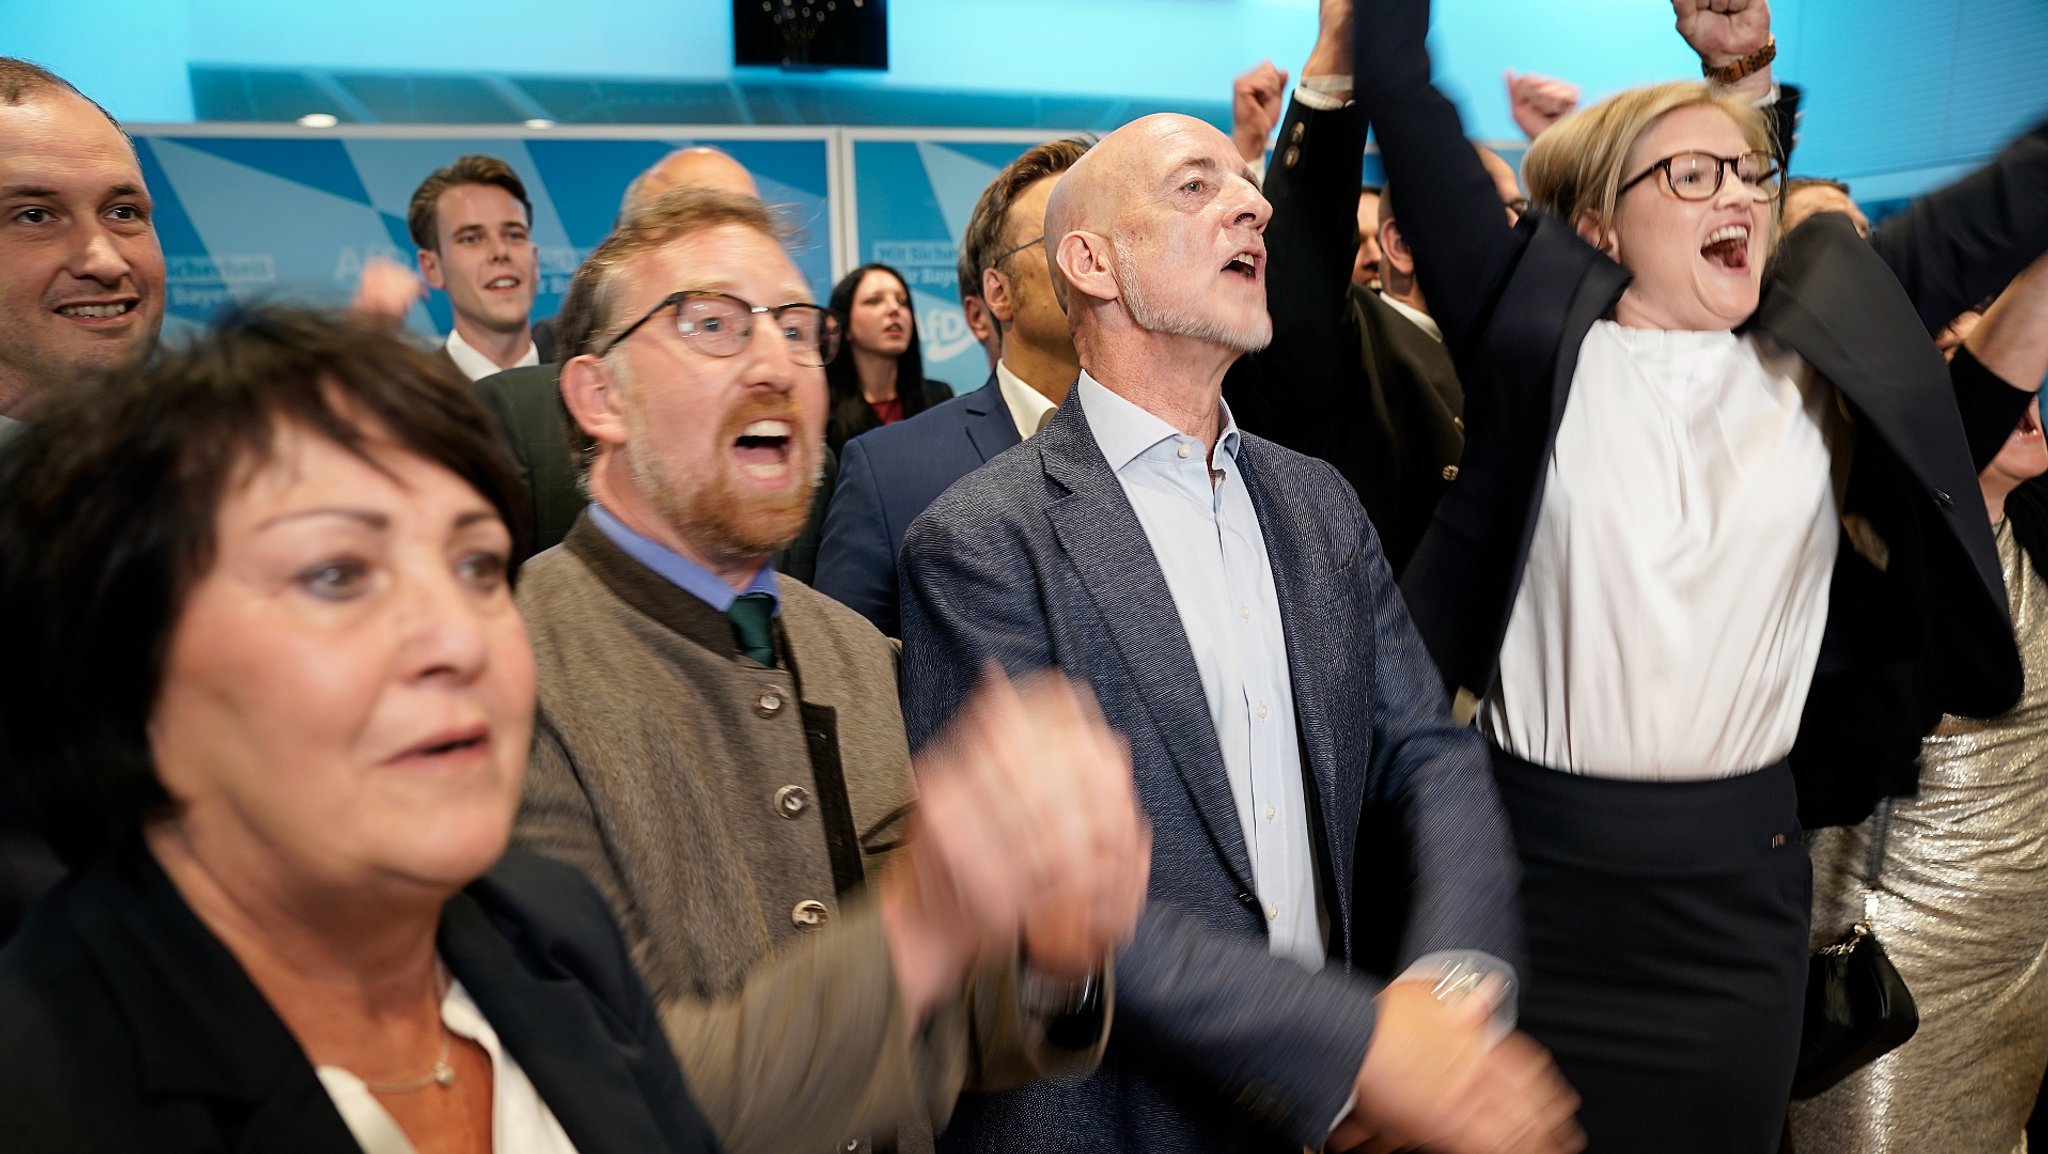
[[259, 215], [912, 194]]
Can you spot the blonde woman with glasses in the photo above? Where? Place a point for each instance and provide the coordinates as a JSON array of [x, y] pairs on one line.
[[1715, 522]]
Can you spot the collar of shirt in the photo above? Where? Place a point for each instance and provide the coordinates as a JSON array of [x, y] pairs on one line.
[[1422, 320], [1124, 432], [679, 570], [1027, 405], [477, 366]]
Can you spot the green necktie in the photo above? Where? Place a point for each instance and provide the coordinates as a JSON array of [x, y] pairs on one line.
[[751, 616]]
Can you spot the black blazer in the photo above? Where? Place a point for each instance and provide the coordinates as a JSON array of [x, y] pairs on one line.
[[1347, 378], [527, 403], [129, 1026], [1917, 621]]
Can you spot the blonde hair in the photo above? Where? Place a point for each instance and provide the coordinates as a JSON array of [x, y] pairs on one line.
[[1577, 166]]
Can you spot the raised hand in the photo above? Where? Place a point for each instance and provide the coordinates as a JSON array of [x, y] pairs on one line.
[[1537, 102], [1255, 109], [387, 290], [1723, 31]]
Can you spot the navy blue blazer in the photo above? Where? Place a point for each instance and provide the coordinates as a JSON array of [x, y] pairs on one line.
[[886, 478], [129, 1026], [1917, 620], [1037, 559]]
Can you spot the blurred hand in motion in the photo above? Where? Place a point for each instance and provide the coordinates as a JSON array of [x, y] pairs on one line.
[[1431, 1080], [1537, 102], [387, 290], [1028, 831], [1255, 110], [1723, 31]]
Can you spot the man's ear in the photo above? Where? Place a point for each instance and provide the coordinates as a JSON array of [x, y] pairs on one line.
[[995, 293], [1394, 248], [430, 269], [590, 391], [1083, 261], [1595, 231]]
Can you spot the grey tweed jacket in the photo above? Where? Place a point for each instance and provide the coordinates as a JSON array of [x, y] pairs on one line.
[[1038, 560]]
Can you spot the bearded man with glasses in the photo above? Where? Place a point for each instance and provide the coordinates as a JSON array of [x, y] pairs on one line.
[[719, 747]]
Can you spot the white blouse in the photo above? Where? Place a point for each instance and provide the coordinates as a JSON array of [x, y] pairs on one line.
[[521, 1122], [1671, 611]]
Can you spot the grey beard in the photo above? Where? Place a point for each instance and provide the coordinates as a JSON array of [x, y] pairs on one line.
[[1179, 324]]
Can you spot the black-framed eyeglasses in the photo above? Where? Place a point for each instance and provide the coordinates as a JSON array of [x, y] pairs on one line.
[[1007, 253], [1698, 175], [720, 325]]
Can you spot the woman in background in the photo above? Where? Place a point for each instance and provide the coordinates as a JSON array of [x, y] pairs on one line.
[[267, 695], [1960, 906], [878, 378]]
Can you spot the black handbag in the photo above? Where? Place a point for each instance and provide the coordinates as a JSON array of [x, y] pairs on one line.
[[1857, 1005]]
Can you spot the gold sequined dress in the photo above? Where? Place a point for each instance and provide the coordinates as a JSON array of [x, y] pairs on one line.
[[1962, 909]]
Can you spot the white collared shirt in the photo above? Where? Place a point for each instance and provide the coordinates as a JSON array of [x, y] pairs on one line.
[[521, 1122], [477, 366], [1670, 615], [1422, 320], [1212, 552], [1028, 407]]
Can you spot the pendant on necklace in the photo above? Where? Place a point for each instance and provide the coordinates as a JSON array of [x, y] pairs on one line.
[[444, 1074]]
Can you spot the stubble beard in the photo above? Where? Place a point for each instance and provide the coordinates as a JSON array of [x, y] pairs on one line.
[[1173, 322]]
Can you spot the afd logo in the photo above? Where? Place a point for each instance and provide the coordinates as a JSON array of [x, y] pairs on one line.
[[945, 334]]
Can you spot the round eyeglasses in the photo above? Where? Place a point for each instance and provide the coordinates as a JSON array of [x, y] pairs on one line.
[[1698, 175], [720, 325]]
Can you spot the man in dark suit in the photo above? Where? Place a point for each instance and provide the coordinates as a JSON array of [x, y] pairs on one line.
[[1355, 375], [890, 474], [473, 224], [1227, 600]]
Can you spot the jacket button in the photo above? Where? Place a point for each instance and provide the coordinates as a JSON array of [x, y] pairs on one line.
[[1300, 130], [792, 800], [769, 703], [851, 1146], [1450, 472], [1291, 157], [1941, 498], [1458, 423], [809, 915]]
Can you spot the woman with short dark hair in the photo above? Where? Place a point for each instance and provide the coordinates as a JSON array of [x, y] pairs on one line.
[[267, 695], [878, 377]]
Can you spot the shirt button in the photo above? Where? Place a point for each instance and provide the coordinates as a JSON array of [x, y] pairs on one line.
[[1186, 450], [1245, 612], [792, 800], [1271, 813], [769, 703], [809, 915], [1272, 913], [1262, 713]]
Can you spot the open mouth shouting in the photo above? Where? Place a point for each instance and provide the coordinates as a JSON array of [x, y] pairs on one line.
[[1248, 264], [764, 448], [1728, 247]]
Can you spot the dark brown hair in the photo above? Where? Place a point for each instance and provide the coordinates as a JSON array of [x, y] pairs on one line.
[[986, 227], [422, 217], [109, 522]]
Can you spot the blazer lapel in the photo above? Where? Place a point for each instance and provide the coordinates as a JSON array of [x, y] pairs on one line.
[[548, 1024], [989, 426], [1099, 532]]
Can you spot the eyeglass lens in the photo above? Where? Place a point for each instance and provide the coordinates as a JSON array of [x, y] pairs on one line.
[[721, 326]]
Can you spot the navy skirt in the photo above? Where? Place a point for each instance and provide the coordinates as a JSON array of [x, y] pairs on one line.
[[1667, 927]]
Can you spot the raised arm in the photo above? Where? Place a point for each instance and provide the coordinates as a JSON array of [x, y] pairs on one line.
[[1451, 212], [1956, 246]]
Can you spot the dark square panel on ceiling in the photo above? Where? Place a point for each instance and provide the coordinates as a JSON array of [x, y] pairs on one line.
[[399, 99], [258, 94]]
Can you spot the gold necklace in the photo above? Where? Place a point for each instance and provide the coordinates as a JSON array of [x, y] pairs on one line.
[[442, 1074]]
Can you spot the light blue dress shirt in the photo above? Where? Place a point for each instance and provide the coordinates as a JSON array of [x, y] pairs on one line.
[[679, 570], [1206, 538]]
